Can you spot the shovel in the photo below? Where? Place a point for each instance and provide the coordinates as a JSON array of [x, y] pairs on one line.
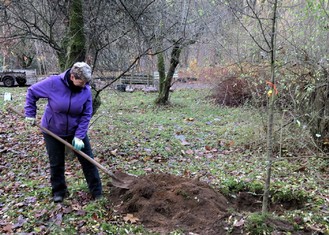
[[119, 179]]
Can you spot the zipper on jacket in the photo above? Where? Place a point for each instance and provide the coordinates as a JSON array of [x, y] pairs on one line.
[[67, 115]]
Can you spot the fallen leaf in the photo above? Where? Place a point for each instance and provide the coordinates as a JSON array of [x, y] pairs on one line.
[[189, 119], [148, 170], [184, 142], [239, 223], [114, 152], [8, 228], [58, 219], [20, 222], [40, 213], [20, 204], [187, 173], [76, 207], [180, 137], [130, 218], [95, 216], [147, 158], [81, 212], [67, 210], [230, 143]]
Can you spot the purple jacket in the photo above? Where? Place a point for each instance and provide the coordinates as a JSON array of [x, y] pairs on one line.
[[67, 113]]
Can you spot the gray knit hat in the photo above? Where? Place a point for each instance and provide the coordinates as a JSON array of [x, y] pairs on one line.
[[81, 70]]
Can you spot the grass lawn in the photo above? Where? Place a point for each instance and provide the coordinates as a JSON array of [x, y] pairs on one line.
[[193, 137]]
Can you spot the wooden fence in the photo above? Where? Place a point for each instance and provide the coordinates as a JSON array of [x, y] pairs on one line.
[[137, 79]]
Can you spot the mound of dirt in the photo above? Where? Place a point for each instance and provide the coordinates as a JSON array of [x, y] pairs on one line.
[[164, 202]]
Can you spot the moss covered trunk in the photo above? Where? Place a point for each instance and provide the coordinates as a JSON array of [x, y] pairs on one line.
[[74, 45], [166, 80], [76, 50]]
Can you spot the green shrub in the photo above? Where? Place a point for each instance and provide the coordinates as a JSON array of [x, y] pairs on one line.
[[256, 224]]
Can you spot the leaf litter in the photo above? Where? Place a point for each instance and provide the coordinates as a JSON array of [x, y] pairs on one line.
[[161, 202]]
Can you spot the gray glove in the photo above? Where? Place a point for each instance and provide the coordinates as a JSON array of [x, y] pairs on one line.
[[30, 121]]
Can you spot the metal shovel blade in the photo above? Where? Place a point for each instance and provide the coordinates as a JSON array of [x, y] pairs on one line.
[[122, 180]]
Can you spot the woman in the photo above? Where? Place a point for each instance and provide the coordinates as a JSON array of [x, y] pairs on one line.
[[67, 114]]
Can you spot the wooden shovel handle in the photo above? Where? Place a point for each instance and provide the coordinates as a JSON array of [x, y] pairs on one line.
[[70, 147]]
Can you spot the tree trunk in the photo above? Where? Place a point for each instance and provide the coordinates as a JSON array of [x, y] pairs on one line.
[[77, 40], [61, 56], [162, 70], [75, 45], [165, 81], [270, 138]]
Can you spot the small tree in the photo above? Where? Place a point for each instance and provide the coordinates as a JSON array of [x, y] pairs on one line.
[[270, 138], [166, 80], [265, 39]]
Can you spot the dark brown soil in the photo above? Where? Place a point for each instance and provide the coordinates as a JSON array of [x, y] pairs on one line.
[[165, 202]]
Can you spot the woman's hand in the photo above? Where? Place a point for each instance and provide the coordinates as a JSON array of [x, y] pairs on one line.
[[30, 121], [78, 143]]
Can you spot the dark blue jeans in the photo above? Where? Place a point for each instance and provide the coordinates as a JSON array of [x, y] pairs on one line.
[[56, 153]]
